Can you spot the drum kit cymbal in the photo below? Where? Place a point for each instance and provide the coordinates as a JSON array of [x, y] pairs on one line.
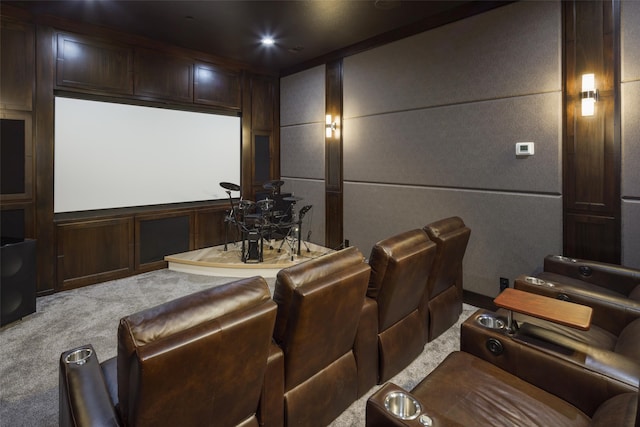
[[264, 221]]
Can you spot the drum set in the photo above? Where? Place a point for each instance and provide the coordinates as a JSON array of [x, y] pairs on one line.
[[271, 218]]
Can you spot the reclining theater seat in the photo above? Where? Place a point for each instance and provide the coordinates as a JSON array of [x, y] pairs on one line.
[[615, 324], [400, 266], [611, 290], [319, 305], [465, 390], [443, 299], [198, 360]]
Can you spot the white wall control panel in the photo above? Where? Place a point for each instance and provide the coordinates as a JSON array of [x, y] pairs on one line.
[[525, 148]]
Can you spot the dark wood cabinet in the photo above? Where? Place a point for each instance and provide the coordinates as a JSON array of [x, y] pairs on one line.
[[216, 86], [17, 58], [162, 76], [93, 65]]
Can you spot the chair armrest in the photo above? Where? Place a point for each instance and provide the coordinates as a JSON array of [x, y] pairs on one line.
[[611, 276], [555, 369], [271, 410], [610, 312], [84, 397], [377, 414], [365, 348]]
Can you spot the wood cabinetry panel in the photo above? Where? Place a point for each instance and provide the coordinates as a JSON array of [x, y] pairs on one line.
[[210, 228], [592, 237], [17, 59], [94, 65], [162, 76], [262, 104], [94, 251], [216, 86]]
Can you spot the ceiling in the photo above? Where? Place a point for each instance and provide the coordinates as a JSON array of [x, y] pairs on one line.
[[302, 30]]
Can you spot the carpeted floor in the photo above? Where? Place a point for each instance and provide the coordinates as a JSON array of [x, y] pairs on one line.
[[30, 348]]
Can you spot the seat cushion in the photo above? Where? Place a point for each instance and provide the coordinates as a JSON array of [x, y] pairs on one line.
[[629, 341], [595, 336], [635, 294], [619, 411], [470, 391]]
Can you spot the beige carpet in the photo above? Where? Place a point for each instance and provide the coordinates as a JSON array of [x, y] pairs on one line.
[[30, 348]]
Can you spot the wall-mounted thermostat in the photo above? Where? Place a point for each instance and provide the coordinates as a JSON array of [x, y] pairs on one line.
[[525, 149]]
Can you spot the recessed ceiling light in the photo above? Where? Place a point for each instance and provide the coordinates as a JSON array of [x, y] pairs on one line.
[[268, 41]]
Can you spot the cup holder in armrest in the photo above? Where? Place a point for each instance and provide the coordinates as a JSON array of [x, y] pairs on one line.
[[491, 321], [539, 282], [78, 357], [402, 405]]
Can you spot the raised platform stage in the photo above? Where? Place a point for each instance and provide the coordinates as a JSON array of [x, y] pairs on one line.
[[215, 261]]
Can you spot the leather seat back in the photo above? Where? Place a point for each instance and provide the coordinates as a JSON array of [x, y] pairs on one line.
[[319, 306], [319, 303], [444, 289], [400, 267], [200, 357]]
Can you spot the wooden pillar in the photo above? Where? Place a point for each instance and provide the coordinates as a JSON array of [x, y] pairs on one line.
[[591, 149], [333, 157]]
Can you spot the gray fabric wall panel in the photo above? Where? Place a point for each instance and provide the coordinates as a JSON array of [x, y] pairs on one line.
[[302, 151], [510, 233], [302, 97], [513, 50], [631, 233], [466, 146], [440, 113], [631, 139], [312, 193], [630, 40], [630, 150]]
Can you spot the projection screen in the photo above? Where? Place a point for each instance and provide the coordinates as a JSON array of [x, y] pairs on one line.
[[110, 155]]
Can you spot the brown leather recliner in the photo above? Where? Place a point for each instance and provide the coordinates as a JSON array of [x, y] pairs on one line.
[[465, 390], [319, 310], [615, 324], [198, 360], [443, 299], [400, 267], [613, 291]]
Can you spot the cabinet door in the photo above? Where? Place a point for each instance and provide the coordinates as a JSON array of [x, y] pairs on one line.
[[94, 65], [94, 251], [216, 86], [18, 66], [161, 76]]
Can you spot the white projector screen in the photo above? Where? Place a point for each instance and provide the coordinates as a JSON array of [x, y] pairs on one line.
[[110, 155]]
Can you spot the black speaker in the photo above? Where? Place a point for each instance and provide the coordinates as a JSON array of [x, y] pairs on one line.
[[18, 284]]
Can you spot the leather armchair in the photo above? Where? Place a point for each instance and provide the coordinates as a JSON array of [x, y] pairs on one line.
[[465, 390], [400, 267], [443, 299], [198, 360], [611, 290], [615, 324], [484, 335], [319, 311]]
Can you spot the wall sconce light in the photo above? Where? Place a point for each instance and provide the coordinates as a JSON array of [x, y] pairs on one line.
[[589, 94], [331, 127]]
